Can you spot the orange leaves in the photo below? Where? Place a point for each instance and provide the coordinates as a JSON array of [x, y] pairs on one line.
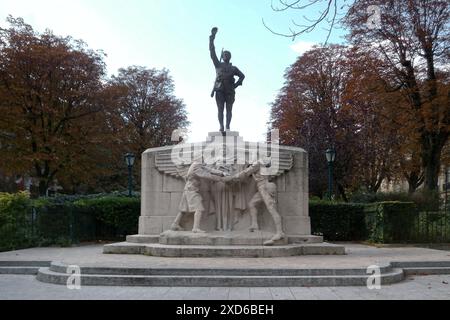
[[61, 119], [413, 40], [335, 97], [48, 88]]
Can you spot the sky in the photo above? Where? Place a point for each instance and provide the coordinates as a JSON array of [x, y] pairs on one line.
[[174, 35]]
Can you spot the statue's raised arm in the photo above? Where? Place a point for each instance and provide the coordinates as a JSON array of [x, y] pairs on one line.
[[212, 48]]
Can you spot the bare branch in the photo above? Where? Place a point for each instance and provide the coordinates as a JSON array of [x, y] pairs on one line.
[[331, 9]]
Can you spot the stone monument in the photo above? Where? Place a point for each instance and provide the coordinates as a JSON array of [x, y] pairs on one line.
[[225, 196]]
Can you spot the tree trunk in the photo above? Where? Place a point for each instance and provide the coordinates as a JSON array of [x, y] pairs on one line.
[[415, 179], [432, 169], [43, 186], [342, 191], [431, 160], [413, 184]]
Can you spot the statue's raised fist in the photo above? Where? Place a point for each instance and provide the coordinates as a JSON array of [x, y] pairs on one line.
[[214, 31]]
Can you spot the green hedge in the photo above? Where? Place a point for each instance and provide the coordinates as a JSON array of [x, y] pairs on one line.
[[424, 200], [55, 221], [392, 221], [14, 221], [53, 225], [382, 222], [119, 214], [64, 221], [338, 221]]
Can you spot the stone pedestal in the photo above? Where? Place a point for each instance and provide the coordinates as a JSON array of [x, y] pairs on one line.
[[163, 186]]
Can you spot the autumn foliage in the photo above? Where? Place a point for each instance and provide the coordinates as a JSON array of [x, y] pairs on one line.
[[62, 118], [342, 97], [382, 101]]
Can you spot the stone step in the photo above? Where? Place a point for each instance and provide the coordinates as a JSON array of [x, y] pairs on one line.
[[22, 267], [423, 267], [427, 271], [220, 238], [421, 264], [19, 270], [160, 250], [24, 263], [48, 276], [59, 267], [291, 239]]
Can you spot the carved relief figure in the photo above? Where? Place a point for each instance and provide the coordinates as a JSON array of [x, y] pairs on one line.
[[227, 189], [192, 201], [266, 193]]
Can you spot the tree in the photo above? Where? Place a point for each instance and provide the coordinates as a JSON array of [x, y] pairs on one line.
[[146, 108], [364, 98], [48, 100], [144, 113], [413, 36], [309, 113], [335, 96]]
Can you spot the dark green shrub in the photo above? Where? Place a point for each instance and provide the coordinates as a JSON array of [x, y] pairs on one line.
[[427, 200], [120, 214], [88, 218], [424, 200], [389, 222], [63, 199], [15, 221], [68, 220], [381, 222], [338, 221], [65, 220], [54, 223]]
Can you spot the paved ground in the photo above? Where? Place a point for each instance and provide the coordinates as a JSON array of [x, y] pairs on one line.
[[417, 287], [358, 256], [420, 288]]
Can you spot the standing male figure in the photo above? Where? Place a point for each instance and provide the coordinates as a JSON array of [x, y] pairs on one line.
[[266, 193], [192, 200], [225, 85]]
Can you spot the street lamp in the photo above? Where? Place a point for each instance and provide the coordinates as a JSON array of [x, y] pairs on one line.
[[331, 157], [129, 160], [447, 183]]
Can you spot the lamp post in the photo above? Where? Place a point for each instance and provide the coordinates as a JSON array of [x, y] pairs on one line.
[[331, 157], [129, 160], [447, 182]]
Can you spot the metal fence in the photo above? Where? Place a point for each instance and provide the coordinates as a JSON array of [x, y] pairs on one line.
[[72, 224], [57, 225], [66, 225], [431, 227]]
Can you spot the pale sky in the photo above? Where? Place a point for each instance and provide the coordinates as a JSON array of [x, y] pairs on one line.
[[174, 35]]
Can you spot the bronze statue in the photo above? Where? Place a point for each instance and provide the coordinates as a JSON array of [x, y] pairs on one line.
[[225, 85]]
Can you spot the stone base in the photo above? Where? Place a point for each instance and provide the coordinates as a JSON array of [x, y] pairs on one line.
[[138, 238], [239, 238], [209, 251], [223, 244], [186, 238]]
